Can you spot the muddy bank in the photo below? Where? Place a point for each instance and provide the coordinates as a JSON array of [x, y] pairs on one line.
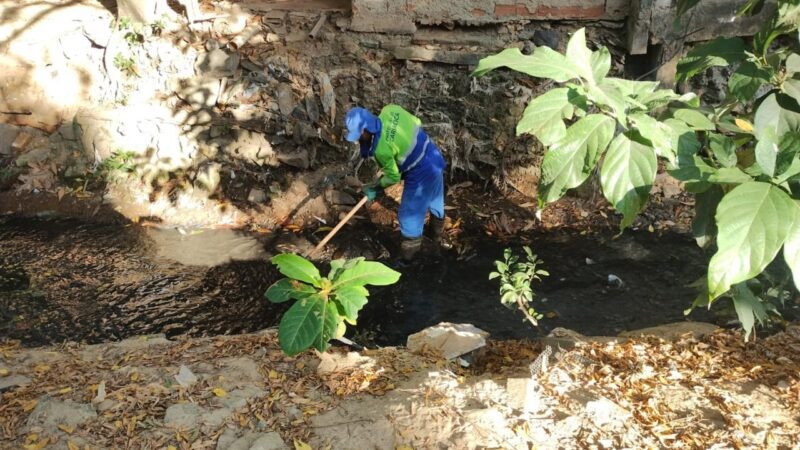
[[70, 280]]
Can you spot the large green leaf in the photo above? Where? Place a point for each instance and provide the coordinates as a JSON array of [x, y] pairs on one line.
[[683, 139], [543, 63], [748, 308], [719, 52], [767, 151], [791, 249], [366, 272], [285, 289], [694, 118], [569, 161], [724, 149], [581, 57], [338, 265], [301, 325], [793, 63], [792, 88], [297, 267], [729, 175], [746, 80], [601, 64], [608, 96], [787, 164], [659, 134], [775, 116], [634, 88], [627, 175], [543, 117], [754, 220], [329, 320], [351, 299], [704, 228]]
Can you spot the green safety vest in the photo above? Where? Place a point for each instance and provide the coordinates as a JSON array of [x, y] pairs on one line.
[[399, 131]]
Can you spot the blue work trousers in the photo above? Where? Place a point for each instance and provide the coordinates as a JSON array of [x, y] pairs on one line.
[[423, 191]]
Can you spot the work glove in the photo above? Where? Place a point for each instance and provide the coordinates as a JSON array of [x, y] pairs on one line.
[[371, 191]]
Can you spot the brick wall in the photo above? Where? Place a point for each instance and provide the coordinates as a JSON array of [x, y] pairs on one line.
[[403, 15]]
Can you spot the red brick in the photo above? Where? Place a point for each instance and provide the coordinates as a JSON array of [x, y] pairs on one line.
[[505, 10], [478, 12], [571, 12]]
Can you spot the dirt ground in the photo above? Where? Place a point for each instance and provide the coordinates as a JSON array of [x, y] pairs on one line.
[[711, 391]]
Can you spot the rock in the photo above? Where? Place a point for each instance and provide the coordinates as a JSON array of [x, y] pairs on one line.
[[184, 415], [269, 441], [489, 428], [339, 198], [605, 412], [331, 362], [673, 331], [257, 196], [216, 417], [547, 38], [238, 398], [522, 394], [227, 438], [564, 339], [185, 377], [252, 147], [199, 93], [217, 64], [98, 31], [21, 142], [49, 413], [240, 370], [14, 381], [8, 134], [257, 441], [143, 342], [285, 97], [35, 156], [312, 108], [297, 158], [233, 24], [327, 96], [449, 339]]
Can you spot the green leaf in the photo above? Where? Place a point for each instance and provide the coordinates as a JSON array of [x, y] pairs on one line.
[[297, 267], [543, 117], [793, 63], [601, 64], [569, 161], [724, 149], [719, 52], [285, 289], [792, 88], [351, 299], [750, 8], [543, 63], [748, 308], [581, 57], [658, 98], [607, 95], [366, 272], [627, 176], [338, 265], [657, 133], [746, 80], [754, 220], [729, 175], [767, 151], [684, 139], [776, 115], [694, 118], [633, 88], [329, 320], [301, 325], [704, 228], [788, 161], [791, 248]]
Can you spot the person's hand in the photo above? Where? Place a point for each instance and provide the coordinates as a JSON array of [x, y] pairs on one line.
[[371, 191]]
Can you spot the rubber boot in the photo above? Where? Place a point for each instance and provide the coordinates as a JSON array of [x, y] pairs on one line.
[[437, 230], [408, 249]]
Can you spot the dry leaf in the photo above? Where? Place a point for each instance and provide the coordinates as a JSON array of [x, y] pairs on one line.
[[65, 390], [219, 392], [135, 376], [28, 406], [273, 375], [72, 446], [66, 429], [37, 446], [744, 125], [300, 445], [3, 372]]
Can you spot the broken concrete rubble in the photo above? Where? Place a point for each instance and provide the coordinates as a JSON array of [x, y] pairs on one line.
[[448, 339]]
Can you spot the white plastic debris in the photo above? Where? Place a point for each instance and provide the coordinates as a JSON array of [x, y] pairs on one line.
[[615, 281], [101, 393], [449, 339]]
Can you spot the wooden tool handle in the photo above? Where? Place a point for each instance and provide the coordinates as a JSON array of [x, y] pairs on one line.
[[338, 226]]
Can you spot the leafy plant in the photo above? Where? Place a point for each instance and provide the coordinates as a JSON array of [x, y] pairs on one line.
[[125, 64], [516, 278], [741, 159], [322, 304]]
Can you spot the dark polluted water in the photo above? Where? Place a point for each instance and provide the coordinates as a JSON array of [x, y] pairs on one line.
[[67, 280]]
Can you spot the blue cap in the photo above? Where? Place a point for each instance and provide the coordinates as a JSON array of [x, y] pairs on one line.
[[359, 119]]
